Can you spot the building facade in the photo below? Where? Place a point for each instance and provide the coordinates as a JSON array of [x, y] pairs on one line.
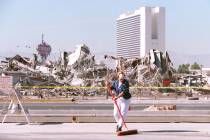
[[140, 31]]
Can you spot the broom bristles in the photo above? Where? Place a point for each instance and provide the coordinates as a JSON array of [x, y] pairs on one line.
[[128, 132]]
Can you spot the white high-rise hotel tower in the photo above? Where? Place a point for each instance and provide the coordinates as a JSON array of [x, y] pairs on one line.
[[140, 31]]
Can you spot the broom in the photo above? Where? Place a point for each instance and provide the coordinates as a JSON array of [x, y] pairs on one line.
[[121, 133]]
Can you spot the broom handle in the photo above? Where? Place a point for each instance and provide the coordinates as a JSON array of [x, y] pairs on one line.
[[115, 102], [120, 114]]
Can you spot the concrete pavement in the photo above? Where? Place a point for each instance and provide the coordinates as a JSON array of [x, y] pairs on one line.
[[106, 106], [104, 131], [101, 116], [181, 104], [89, 111]]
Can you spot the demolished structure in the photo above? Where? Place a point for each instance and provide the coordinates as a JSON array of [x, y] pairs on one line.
[[161, 108], [79, 68], [150, 70]]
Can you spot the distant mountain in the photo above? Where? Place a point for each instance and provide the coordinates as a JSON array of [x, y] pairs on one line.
[[178, 58], [11, 54], [99, 57]]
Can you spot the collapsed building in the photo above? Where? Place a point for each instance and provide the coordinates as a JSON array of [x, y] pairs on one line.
[[155, 67], [77, 68], [150, 70], [80, 68]]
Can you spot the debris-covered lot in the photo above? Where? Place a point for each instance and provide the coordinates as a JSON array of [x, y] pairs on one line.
[[63, 77]]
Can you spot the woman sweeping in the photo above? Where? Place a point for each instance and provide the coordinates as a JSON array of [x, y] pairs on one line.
[[122, 96]]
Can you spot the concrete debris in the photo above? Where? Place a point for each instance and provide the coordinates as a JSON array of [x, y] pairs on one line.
[[150, 70], [160, 108], [155, 68], [192, 80], [79, 68]]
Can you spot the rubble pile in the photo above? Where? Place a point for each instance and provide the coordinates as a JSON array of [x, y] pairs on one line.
[[160, 108], [150, 70], [78, 68], [155, 67]]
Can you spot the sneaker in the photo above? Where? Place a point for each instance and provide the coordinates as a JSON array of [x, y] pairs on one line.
[[120, 128]]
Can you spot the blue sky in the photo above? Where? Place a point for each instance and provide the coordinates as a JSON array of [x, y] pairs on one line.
[[66, 23]]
